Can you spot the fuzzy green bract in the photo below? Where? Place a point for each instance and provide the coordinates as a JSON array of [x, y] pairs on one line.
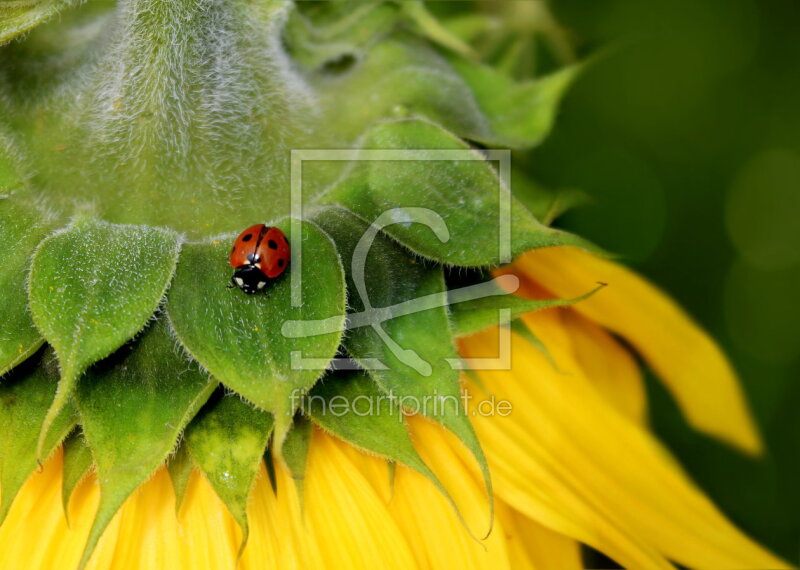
[[409, 355], [92, 287], [484, 224], [295, 450], [238, 338], [227, 440], [132, 411], [472, 316]]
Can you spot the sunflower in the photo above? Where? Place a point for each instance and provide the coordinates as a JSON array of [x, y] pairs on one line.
[[386, 400]]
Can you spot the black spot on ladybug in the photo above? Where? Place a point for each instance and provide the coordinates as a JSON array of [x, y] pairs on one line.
[[272, 245], [247, 237], [280, 262]]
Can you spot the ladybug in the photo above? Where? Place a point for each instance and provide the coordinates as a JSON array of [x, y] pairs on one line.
[[259, 254]]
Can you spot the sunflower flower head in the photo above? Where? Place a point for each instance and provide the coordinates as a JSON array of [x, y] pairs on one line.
[[436, 380]]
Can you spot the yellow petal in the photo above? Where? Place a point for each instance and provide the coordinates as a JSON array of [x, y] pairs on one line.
[[36, 536], [689, 362], [441, 539], [566, 458], [349, 521], [614, 372], [530, 545]]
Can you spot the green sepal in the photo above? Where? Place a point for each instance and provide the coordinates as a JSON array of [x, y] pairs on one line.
[[408, 353], [21, 230], [295, 450], [180, 467], [499, 306], [522, 114], [453, 209], [25, 395], [238, 338], [92, 287], [77, 462], [227, 441], [133, 407]]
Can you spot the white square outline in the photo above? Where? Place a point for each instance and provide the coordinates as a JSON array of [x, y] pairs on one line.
[[502, 156]]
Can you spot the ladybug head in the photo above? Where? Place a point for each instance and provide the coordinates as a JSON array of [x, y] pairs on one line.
[[249, 279]]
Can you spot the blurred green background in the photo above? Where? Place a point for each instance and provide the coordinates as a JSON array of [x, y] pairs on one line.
[[686, 135]]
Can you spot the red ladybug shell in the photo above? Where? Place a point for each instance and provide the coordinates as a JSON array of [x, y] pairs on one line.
[[263, 246]]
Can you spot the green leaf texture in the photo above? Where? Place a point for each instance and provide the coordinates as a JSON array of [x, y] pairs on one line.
[[238, 338], [92, 287], [461, 189], [133, 408], [227, 440]]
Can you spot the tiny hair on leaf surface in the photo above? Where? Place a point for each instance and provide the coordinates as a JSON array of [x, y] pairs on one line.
[[92, 287], [133, 407], [238, 338], [438, 172]]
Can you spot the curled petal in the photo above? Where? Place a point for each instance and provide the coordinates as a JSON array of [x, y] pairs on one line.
[[689, 362], [569, 460]]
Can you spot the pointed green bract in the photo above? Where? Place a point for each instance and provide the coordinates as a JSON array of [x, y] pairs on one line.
[[408, 355], [352, 407], [295, 450], [471, 316], [238, 338], [227, 441], [25, 395], [77, 462], [20, 16], [92, 287], [133, 407], [180, 467], [520, 114], [21, 230], [459, 188]]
